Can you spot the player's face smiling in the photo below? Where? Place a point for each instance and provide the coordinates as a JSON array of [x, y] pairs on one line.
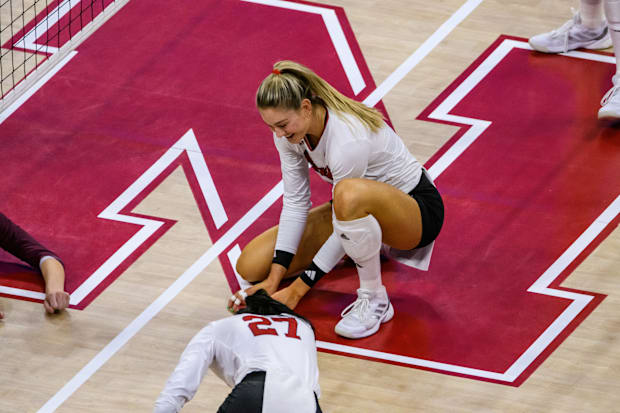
[[287, 123]]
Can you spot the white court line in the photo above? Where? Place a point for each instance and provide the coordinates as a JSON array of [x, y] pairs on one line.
[[233, 256], [27, 83], [171, 292], [580, 301], [477, 125], [441, 33], [35, 87], [188, 144], [335, 33], [28, 41], [18, 292]]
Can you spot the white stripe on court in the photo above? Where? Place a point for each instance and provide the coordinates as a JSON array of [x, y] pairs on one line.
[[188, 144], [26, 85], [541, 285], [28, 41], [343, 50], [18, 292], [171, 292], [35, 87], [233, 256], [441, 33]]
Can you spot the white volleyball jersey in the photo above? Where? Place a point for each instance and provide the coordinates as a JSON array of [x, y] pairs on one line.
[[347, 149], [283, 346]]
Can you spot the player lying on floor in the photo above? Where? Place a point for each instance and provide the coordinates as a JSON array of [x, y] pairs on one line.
[[266, 353]]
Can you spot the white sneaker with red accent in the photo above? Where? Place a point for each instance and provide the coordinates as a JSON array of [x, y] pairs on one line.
[[365, 315]]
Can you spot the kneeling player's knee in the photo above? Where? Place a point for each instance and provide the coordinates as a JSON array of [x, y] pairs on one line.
[[248, 270], [348, 198]]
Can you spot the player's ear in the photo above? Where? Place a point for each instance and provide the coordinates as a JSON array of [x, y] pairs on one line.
[[306, 107]]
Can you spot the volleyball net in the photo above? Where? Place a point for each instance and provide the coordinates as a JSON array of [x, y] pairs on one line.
[[36, 34]]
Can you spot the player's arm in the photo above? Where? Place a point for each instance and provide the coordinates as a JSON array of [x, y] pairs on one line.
[[56, 298], [22, 245], [346, 162], [188, 374], [295, 207]]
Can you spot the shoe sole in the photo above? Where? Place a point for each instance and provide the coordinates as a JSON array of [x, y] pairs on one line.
[[605, 115], [386, 317], [598, 45]]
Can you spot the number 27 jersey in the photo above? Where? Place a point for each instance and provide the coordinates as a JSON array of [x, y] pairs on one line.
[[235, 346]]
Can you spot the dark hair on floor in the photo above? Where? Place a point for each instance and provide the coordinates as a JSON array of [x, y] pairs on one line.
[[262, 304]]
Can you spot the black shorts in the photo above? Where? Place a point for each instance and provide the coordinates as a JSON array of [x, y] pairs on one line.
[[431, 208], [247, 396]]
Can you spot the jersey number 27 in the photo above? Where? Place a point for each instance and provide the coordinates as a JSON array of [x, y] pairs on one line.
[[262, 325]]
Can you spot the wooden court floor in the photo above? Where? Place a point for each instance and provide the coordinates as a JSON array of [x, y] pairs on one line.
[[40, 355]]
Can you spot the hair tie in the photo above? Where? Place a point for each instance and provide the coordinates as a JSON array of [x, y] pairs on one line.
[[276, 72]]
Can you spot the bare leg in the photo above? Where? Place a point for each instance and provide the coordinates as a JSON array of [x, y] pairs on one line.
[[367, 213], [397, 213], [591, 12], [255, 260]]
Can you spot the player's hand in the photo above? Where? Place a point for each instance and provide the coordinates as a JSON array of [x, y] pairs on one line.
[[287, 297], [56, 301], [237, 300], [291, 295]]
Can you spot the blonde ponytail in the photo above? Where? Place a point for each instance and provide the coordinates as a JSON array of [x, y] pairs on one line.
[[291, 82]]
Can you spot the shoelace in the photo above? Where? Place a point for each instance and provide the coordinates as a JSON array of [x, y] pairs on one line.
[[565, 28], [609, 95], [359, 306]]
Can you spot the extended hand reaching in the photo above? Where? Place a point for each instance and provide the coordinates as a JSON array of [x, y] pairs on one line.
[[56, 301]]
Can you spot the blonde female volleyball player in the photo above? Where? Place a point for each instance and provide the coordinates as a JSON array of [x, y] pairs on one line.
[[266, 352], [381, 193]]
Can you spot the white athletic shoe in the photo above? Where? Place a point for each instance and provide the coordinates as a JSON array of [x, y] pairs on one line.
[[570, 36], [364, 316], [610, 103]]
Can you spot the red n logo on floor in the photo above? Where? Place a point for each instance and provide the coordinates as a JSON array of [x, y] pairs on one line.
[[530, 181]]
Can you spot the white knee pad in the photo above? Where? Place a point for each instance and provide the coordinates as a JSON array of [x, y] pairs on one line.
[[612, 14], [360, 238]]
